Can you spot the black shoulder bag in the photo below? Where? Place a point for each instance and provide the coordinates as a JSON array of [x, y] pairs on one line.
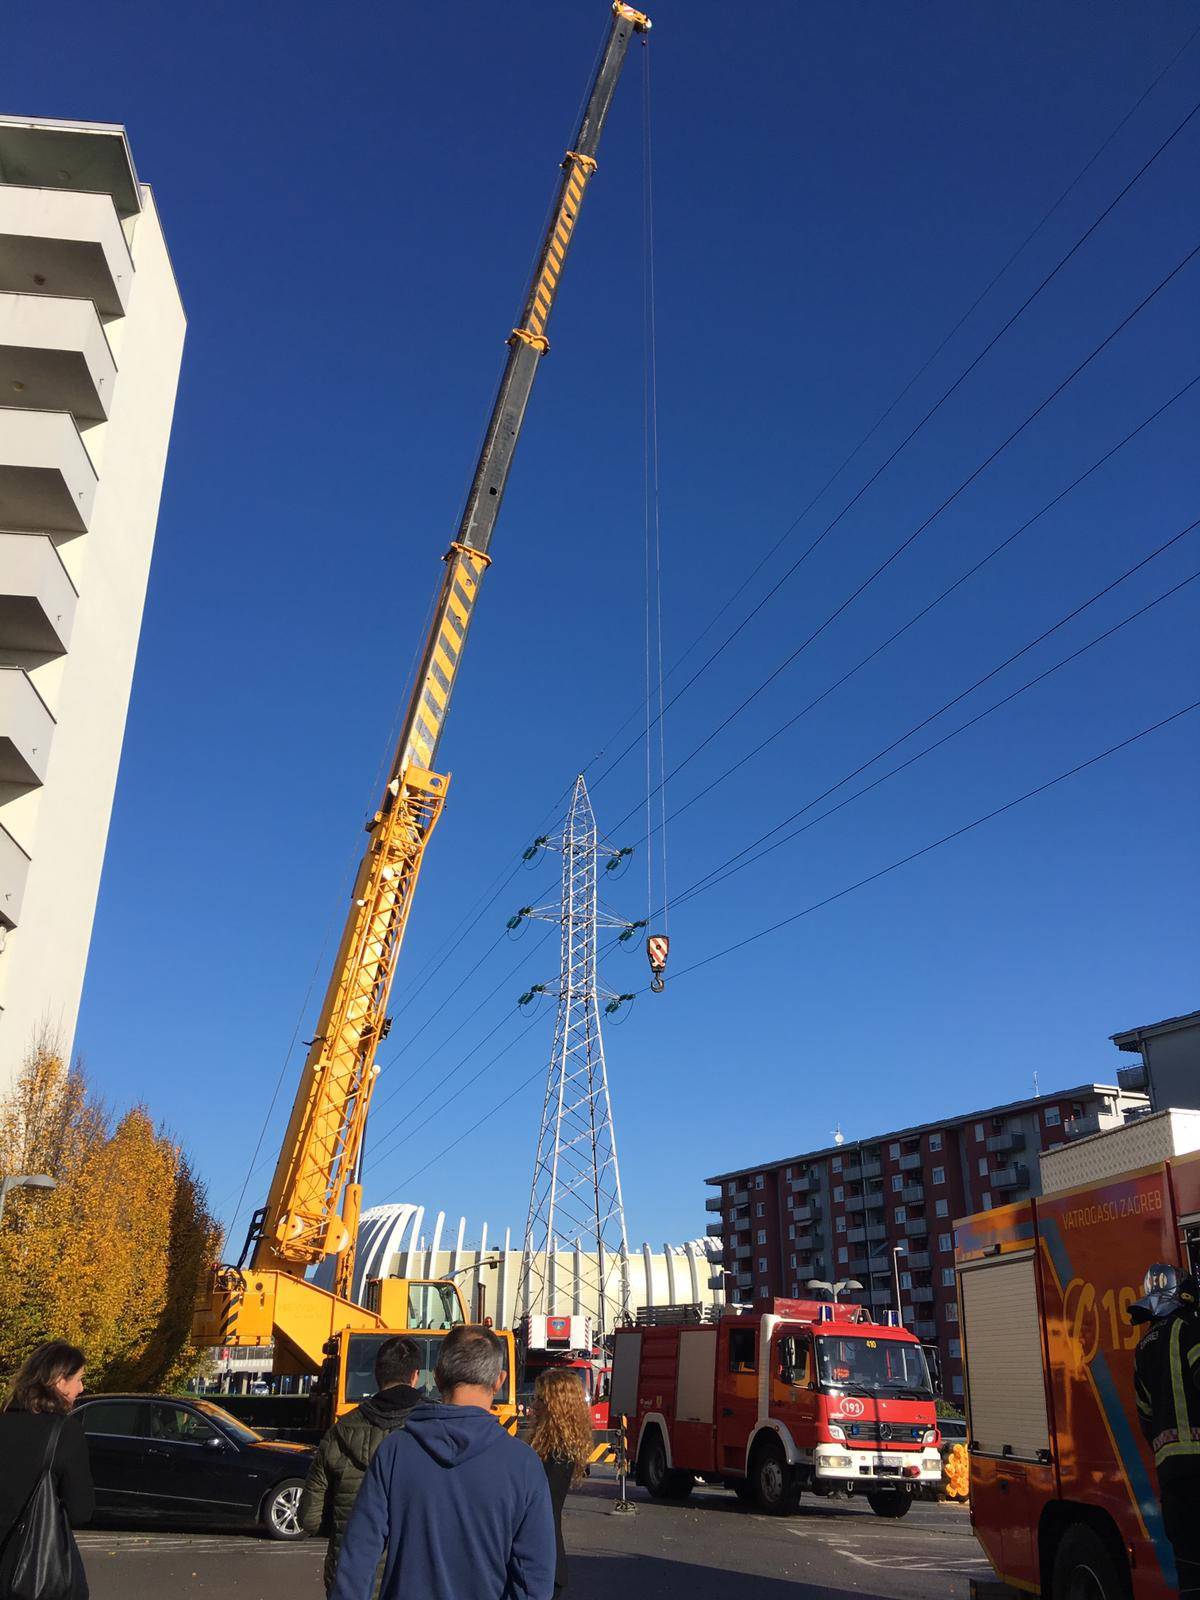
[[39, 1561]]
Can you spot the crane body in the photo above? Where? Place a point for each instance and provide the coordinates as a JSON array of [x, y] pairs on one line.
[[313, 1204]]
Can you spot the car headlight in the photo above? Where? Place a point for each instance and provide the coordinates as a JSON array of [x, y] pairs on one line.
[[835, 1432], [838, 1461], [930, 1436]]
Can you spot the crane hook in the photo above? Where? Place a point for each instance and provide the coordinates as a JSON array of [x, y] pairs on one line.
[[658, 947]]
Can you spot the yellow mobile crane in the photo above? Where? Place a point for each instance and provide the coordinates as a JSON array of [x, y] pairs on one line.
[[312, 1208]]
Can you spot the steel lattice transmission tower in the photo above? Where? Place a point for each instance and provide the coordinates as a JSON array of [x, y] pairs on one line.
[[575, 1199]]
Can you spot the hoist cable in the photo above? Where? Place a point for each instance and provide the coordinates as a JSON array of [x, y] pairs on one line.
[[790, 571]]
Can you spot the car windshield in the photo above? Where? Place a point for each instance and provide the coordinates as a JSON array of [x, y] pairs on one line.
[[236, 1430], [360, 1365], [861, 1365]]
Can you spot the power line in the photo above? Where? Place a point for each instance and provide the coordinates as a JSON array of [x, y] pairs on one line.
[[931, 518], [946, 838], [992, 342], [997, 549]]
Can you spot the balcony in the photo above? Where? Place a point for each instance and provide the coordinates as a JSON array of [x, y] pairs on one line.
[[14, 869], [1132, 1079], [856, 1202], [802, 1184], [47, 481], [715, 1230], [1081, 1127], [911, 1162], [804, 1241], [873, 1233], [714, 1202], [26, 728], [921, 1294], [740, 1252], [925, 1328], [913, 1193], [58, 243], [918, 1260], [857, 1266], [809, 1213], [55, 356], [1011, 1139], [916, 1225], [1014, 1177], [37, 598], [740, 1197], [717, 1281]]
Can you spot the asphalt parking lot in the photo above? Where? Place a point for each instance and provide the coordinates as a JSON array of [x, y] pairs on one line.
[[710, 1549]]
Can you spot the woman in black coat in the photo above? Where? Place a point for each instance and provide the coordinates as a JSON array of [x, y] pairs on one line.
[[43, 1391], [562, 1437]]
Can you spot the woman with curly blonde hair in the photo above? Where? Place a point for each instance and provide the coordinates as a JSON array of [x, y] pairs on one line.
[[562, 1437]]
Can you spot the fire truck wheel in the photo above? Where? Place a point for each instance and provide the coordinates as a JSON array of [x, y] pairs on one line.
[[1086, 1569], [776, 1487], [660, 1481], [890, 1502], [744, 1490]]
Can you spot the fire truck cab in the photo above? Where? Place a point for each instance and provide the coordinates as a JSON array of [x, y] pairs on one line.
[[792, 1396]]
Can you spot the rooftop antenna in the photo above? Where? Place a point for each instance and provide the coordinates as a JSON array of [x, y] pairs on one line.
[[1036, 1089], [838, 1136]]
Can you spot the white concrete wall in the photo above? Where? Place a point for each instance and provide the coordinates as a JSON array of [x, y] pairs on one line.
[[63, 826]]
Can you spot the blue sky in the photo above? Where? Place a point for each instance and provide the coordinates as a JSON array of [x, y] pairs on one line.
[[352, 200]]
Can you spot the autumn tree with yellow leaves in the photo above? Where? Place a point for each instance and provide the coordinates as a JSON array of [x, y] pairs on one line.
[[112, 1257]]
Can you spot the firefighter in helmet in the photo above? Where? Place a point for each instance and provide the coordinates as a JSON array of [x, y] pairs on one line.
[[1166, 1382]]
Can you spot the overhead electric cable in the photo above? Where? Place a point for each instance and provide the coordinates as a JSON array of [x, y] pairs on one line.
[[929, 520], [933, 410], [739, 765], [920, 372]]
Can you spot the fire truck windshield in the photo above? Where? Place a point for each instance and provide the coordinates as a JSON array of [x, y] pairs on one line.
[[858, 1364]]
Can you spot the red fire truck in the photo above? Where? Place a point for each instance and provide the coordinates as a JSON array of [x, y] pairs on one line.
[[1064, 1498], [794, 1395], [565, 1342]]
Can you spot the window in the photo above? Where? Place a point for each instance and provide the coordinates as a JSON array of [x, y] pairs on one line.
[[839, 1194], [947, 1277], [762, 1265], [979, 1130], [952, 1311], [956, 1349], [987, 1202], [956, 1385], [787, 1173], [178, 1425], [760, 1209], [935, 1141], [837, 1163], [983, 1166], [762, 1236], [1051, 1116], [901, 1214], [793, 1356], [843, 1256], [793, 1263], [906, 1280], [941, 1208], [791, 1230], [939, 1174], [128, 1419], [731, 1188], [840, 1224], [945, 1241], [758, 1182], [897, 1182], [894, 1151]]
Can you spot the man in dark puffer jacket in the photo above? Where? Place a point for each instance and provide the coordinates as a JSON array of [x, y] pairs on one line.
[[345, 1453]]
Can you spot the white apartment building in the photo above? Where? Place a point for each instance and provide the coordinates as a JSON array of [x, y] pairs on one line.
[[91, 336]]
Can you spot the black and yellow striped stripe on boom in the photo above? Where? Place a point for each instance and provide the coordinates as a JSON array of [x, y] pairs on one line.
[[459, 594]]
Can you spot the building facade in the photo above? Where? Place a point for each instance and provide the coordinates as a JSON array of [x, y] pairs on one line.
[[91, 337], [404, 1241], [882, 1210], [1169, 1070]]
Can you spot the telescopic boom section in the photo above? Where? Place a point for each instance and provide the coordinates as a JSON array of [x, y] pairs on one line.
[[313, 1205]]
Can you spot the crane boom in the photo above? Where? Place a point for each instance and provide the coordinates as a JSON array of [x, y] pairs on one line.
[[315, 1195]]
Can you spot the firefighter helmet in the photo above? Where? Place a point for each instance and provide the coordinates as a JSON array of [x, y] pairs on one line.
[[1165, 1291]]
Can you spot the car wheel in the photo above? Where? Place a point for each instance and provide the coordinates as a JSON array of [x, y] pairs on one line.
[[776, 1486], [281, 1511], [1086, 1569], [890, 1502]]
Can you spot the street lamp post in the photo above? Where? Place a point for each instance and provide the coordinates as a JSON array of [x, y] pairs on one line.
[[897, 1251], [24, 1180]]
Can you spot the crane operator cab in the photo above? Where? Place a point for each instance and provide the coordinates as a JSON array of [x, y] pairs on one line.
[[431, 1305]]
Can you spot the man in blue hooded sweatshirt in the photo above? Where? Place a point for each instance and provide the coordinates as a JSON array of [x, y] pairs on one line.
[[458, 1509]]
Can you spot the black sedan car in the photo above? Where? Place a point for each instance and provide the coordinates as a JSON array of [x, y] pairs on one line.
[[156, 1456]]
